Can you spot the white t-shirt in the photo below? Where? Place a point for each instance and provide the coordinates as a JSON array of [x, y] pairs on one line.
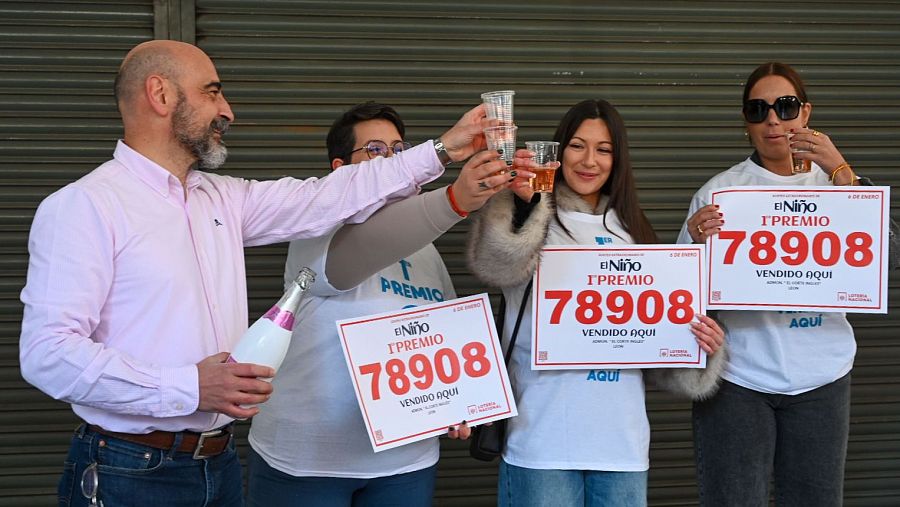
[[574, 419], [312, 425], [779, 352]]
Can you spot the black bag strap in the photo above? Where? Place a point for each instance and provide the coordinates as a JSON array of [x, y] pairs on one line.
[[501, 317], [512, 339]]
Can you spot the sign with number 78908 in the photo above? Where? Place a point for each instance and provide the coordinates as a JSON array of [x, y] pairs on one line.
[[800, 248], [623, 306]]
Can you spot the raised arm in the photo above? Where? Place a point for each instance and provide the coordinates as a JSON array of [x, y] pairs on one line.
[[422, 219], [289, 209]]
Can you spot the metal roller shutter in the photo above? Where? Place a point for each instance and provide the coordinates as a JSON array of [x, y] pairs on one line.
[[57, 122], [675, 70]]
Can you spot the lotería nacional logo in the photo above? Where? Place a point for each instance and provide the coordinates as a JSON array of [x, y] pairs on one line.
[[670, 353], [853, 297], [490, 406]]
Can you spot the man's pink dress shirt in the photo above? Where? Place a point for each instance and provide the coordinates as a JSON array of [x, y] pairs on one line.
[[132, 280]]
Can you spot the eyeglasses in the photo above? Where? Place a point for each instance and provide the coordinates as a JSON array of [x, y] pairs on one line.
[[757, 110], [380, 148]]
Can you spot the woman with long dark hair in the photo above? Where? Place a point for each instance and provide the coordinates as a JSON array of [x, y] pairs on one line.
[[576, 441]]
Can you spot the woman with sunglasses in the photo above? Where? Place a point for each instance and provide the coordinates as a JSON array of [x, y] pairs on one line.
[[784, 405], [576, 440]]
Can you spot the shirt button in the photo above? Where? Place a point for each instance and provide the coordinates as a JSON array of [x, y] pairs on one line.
[[179, 406]]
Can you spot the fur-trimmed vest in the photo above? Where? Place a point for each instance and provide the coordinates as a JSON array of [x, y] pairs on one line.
[[502, 256]]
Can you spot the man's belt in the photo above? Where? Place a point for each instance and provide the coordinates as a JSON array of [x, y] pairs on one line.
[[202, 445]]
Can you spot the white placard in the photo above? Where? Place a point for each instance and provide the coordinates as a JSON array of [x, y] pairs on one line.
[[418, 371], [800, 248], [617, 306]]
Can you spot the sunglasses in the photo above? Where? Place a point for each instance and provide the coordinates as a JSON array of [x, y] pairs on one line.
[[757, 110], [381, 149]]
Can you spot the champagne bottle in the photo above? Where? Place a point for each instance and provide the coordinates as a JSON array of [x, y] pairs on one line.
[[266, 341]]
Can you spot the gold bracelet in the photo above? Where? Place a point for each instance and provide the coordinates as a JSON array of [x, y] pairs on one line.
[[840, 168]]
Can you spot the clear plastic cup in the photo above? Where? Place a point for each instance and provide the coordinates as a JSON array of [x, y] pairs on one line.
[[502, 138], [499, 105], [545, 155], [798, 165]]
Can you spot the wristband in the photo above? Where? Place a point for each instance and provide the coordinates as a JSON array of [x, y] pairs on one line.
[[441, 152], [453, 204]]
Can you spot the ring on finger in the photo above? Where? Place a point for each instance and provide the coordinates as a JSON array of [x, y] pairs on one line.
[[700, 229], [482, 185], [815, 133]]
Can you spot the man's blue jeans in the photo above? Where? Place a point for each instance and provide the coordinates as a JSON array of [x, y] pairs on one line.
[[136, 475], [268, 487], [529, 487], [743, 438]]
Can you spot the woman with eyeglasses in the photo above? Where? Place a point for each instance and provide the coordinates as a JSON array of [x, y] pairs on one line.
[[784, 405], [582, 436]]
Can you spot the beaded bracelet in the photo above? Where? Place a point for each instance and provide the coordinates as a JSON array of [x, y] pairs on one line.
[[453, 203]]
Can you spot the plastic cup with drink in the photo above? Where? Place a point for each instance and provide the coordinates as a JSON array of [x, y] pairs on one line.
[[545, 155], [798, 165], [502, 138]]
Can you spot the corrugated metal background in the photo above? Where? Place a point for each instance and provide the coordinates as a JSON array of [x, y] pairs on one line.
[[57, 121], [674, 69]]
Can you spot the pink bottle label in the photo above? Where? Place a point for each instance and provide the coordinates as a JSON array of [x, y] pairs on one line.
[[283, 318]]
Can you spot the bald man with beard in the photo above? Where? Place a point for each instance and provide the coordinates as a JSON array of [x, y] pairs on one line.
[[136, 286]]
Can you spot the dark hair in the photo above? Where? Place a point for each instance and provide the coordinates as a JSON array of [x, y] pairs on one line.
[[620, 186], [776, 69], [341, 139]]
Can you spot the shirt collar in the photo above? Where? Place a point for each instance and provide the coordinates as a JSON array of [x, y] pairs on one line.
[[756, 159], [151, 173]]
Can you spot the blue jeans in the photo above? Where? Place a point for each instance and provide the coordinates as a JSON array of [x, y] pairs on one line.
[[268, 487], [529, 487], [742, 438], [136, 475]]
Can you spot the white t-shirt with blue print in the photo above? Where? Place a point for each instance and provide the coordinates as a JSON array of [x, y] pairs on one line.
[[312, 425], [574, 419], [779, 352]]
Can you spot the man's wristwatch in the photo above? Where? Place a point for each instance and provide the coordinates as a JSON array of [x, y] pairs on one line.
[[441, 152]]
